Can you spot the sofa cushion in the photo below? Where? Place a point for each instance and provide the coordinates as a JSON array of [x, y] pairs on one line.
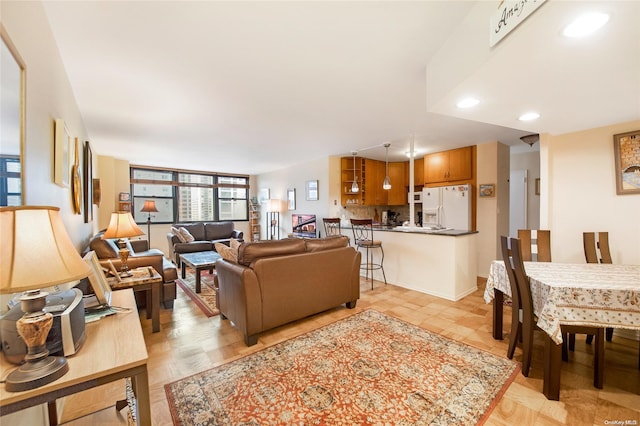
[[327, 243], [227, 253], [249, 252], [195, 229], [235, 244], [102, 248], [218, 230]]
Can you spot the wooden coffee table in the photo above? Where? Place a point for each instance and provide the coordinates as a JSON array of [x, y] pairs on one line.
[[199, 261]]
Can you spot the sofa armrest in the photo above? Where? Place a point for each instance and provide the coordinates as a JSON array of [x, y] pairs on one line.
[[238, 235], [239, 297]]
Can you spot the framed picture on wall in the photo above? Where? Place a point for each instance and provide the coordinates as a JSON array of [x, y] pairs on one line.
[[312, 190], [487, 189], [627, 155], [291, 199]]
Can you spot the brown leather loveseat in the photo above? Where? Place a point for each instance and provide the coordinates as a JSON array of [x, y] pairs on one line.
[[276, 282], [140, 255]]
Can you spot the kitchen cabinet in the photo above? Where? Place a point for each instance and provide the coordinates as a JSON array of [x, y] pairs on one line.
[[348, 173], [448, 166], [373, 176], [397, 195]]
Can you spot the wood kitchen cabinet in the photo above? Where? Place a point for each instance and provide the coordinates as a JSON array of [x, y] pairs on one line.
[[347, 172], [397, 195], [418, 172], [448, 166], [375, 172]]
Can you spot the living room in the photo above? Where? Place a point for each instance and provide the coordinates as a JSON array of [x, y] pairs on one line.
[[577, 192]]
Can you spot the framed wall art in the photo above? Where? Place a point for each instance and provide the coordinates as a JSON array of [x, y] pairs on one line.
[[87, 180], [627, 155], [291, 199], [312, 190], [263, 195]]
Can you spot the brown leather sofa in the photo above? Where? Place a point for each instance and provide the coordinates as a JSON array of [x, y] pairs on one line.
[[206, 234], [276, 282], [140, 255]]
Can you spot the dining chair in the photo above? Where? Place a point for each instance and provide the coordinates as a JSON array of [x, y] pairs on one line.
[[536, 242], [331, 226], [363, 239], [516, 307], [597, 252], [529, 321]]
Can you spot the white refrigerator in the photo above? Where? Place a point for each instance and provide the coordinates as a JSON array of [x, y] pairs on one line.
[[447, 207]]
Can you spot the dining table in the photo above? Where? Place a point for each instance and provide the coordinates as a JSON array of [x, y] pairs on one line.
[[584, 294]]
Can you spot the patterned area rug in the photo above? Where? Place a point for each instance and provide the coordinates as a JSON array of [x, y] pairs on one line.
[[206, 299], [366, 369]]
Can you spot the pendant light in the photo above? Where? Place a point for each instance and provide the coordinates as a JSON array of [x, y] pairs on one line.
[[386, 184], [354, 185]]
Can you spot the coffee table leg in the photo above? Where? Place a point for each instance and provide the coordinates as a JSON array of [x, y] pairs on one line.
[[183, 268], [198, 288]]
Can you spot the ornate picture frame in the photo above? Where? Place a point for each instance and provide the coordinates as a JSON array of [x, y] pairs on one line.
[[626, 147]]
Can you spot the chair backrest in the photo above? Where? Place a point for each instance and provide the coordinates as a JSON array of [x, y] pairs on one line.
[[591, 247], [522, 280], [536, 242], [508, 264], [362, 230], [331, 226]]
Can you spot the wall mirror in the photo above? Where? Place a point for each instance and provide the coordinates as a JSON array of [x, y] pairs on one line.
[[12, 122]]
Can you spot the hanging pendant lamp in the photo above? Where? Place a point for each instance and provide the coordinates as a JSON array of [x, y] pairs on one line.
[[386, 184], [354, 185]]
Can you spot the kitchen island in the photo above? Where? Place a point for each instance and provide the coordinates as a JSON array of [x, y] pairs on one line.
[[440, 263]]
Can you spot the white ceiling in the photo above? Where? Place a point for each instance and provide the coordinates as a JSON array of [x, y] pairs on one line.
[[251, 87]]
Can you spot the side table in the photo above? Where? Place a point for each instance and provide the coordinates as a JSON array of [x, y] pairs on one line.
[[144, 279]]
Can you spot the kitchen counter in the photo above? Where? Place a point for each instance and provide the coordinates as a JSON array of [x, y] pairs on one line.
[[426, 260]]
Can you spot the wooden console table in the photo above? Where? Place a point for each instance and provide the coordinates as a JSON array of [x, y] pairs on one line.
[[114, 349], [148, 280]]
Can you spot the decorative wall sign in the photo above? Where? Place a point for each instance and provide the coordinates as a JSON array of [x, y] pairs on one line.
[[627, 155], [508, 16]]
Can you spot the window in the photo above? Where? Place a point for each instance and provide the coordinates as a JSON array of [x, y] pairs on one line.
[[10, 182], [189, 196]]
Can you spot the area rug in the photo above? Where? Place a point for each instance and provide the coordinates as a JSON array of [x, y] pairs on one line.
[[369, 368], [206, 299]]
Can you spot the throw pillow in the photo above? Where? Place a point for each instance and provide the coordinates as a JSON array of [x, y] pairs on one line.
[[188, 238], [227, 253], [176, 232]]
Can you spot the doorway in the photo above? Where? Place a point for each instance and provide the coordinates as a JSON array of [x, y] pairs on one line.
[[517, 201]]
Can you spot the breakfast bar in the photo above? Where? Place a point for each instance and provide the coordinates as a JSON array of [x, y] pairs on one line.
[[440, 263]]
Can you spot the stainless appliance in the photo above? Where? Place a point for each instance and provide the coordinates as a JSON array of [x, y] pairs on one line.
[[417, 197], [447, 207]]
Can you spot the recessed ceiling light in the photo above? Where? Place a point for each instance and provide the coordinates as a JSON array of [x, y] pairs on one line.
[[529, 116], [467, 103], [585, 24]]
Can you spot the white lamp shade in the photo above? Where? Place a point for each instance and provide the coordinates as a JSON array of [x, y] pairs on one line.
[[35, 250], [276, 206], [122, 225]]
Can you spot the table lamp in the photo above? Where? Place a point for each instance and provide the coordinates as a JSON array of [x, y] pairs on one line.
[[36, 252], [149, 207], [122, 226]]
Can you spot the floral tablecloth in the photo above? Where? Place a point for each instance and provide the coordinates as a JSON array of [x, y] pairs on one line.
[[600, 295]]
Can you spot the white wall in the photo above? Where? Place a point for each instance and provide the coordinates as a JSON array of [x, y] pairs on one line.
[[48, 96], [296, 177], [579, 194]]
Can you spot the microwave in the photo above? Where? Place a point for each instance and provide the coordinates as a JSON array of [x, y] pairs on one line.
[[417, 197]]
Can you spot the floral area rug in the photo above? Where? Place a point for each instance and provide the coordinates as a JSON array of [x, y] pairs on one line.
[[366, 369], [206, 299]]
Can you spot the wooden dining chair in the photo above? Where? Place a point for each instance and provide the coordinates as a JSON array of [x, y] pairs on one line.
[[596, 252], [529, 321], [516, 307], [331, 226], [536, 242]]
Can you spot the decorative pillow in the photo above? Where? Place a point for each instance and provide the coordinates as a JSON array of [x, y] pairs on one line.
[[227, 253], [188, 238], [235, 244], [176, 232]]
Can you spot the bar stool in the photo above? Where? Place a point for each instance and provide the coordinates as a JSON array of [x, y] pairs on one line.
[[363, 239]]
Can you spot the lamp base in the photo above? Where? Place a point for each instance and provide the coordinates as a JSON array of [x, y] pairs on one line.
[[31, 375], [126, 274]]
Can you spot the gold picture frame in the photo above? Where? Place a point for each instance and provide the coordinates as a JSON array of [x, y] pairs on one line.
[[487, 189], [626, 148]]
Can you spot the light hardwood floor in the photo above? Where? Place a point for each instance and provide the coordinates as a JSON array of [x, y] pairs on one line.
[[189, 342]]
